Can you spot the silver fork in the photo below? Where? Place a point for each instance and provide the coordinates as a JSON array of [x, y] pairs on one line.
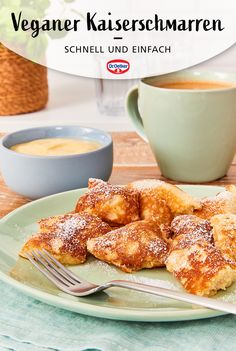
[[70, 283]]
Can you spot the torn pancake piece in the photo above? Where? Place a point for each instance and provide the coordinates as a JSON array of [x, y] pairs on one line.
[[161, 201], [224, 233], [195, 262], [66, 236], [223, 202], [133, 247], [117, 205]]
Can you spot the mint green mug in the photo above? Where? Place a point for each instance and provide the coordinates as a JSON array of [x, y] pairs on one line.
[[192, 132]]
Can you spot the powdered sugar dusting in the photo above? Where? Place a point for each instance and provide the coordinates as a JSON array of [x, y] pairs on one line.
[[193, 228], [100, 187], [70, 226], [157, 247], [147, 184]]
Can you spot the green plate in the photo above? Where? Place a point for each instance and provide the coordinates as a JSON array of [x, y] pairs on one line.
[[115, 303]]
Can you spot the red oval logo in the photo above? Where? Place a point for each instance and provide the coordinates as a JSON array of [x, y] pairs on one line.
[[118, 66]]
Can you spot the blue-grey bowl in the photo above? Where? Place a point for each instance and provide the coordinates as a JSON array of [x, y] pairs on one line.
[[38, 176]]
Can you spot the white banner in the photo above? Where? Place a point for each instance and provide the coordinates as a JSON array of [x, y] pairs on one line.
[[118, 40]]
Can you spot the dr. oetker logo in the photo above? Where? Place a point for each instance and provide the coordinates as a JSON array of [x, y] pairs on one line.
[[118, 66]]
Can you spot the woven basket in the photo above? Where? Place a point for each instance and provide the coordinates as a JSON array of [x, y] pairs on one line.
[[23, 84]]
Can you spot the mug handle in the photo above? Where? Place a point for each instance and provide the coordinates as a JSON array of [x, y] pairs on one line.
[[133, 112]]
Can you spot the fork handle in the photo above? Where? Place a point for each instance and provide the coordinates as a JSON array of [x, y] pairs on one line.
[[177, 295]]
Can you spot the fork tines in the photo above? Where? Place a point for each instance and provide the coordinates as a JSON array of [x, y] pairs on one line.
[[62, 277]]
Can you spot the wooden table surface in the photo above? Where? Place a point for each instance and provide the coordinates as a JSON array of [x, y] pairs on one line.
[[132, 160]]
